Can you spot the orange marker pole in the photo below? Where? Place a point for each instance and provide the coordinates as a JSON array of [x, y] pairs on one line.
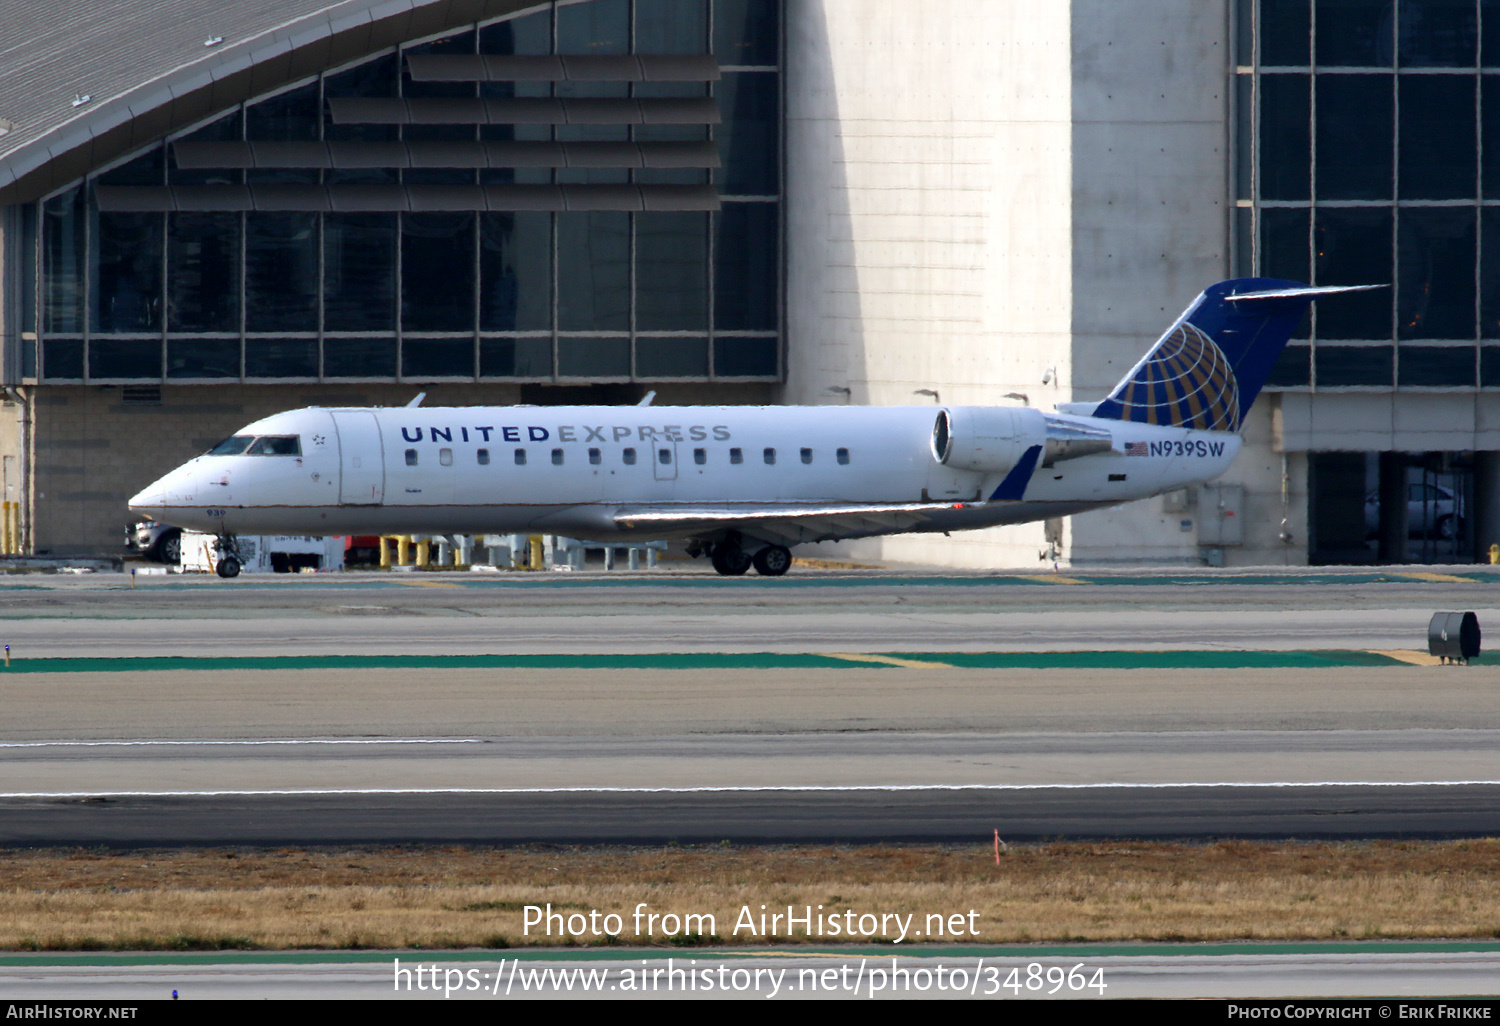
[[997, 846]]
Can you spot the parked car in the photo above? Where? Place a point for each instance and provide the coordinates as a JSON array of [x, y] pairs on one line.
[[161, 543], [1431, 509]]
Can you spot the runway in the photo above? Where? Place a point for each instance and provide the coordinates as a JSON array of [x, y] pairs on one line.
[[1206, 971], [453, 614], [876, 750]]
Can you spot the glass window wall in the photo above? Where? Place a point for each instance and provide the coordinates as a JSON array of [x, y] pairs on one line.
[[120, 292], [1368, 143]]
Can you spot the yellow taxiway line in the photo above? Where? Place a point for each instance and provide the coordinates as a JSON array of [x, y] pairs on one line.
[[1445, 578], [1408, 655], [910, 664]]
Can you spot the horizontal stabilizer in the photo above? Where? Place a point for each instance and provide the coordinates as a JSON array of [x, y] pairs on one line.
[[1305, 292]]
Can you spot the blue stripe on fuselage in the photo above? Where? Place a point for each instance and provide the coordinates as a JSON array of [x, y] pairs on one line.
[[1014, 485]]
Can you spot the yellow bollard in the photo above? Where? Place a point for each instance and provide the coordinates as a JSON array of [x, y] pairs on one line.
[[1494, 554], [8, 528], [385, 552], [424, 553], [536, 552], [403, 550]]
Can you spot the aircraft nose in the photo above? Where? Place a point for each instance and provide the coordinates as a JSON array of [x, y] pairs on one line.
[[150, 500], [177, 489]]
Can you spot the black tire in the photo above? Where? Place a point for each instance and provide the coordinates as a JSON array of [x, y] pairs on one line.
[[730, 560], [228, 567], [773, 561], [168, 548]]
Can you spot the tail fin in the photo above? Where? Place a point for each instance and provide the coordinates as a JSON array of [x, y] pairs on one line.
[[1206, 371]]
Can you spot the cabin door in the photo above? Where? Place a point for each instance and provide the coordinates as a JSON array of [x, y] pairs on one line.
[[664, 460], [361, 459]]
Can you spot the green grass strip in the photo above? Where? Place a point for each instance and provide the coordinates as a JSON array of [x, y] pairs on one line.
[[1213, 660]]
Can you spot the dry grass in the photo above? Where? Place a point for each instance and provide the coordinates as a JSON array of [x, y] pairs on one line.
[[470, 897]]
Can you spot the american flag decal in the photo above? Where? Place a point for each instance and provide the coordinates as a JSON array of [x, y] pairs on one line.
[[1137, 449]]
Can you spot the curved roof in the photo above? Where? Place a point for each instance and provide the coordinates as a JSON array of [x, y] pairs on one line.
[[150, 67]]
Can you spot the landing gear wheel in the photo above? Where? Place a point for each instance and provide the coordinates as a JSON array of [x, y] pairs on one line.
[[228, 567], [772, 561], [730, 560]]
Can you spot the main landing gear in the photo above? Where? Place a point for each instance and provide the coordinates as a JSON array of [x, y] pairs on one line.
[[732, 561]]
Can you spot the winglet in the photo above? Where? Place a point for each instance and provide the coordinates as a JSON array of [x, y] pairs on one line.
[[647, 400], [417, 401]]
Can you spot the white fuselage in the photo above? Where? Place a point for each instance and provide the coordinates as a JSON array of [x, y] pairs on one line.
[[571, 470]]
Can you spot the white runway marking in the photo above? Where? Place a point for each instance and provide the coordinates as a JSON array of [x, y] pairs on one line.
[[287, 741], [374, 791]]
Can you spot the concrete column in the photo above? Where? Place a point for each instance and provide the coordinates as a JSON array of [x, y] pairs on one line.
[[635, 558], [1486, 513], [1393, 492]]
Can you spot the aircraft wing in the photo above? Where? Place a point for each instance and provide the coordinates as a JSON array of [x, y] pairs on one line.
[[785, 524]]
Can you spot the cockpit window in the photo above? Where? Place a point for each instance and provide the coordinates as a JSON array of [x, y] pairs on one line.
[[231, 446], [276, 445]]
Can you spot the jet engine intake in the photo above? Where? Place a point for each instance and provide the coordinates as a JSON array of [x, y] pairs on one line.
[[989, 439]]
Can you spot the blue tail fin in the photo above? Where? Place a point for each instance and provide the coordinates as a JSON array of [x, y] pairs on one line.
[[1206, 371]]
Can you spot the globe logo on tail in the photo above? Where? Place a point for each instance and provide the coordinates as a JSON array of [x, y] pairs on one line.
[[1185, 382]]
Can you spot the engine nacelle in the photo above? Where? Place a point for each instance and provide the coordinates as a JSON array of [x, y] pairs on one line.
[[990, 439]]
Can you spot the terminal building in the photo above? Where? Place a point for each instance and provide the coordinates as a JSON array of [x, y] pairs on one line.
[[213, 212]]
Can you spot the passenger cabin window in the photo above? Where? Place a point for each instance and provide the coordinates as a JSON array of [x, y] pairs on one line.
[[700, 456], [557, 457], [596, 457], [232, 446], [445, 457], [736, 456], [411, 457], [843, 457], [664, 456], [806, 455], [275, 445], [484, 457], [769, 455], [520, 457], [629, 456]]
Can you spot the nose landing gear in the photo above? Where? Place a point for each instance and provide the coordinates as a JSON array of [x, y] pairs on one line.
[[228, 563]]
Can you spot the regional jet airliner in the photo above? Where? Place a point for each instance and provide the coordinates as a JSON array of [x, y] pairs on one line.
[[740, 484]]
